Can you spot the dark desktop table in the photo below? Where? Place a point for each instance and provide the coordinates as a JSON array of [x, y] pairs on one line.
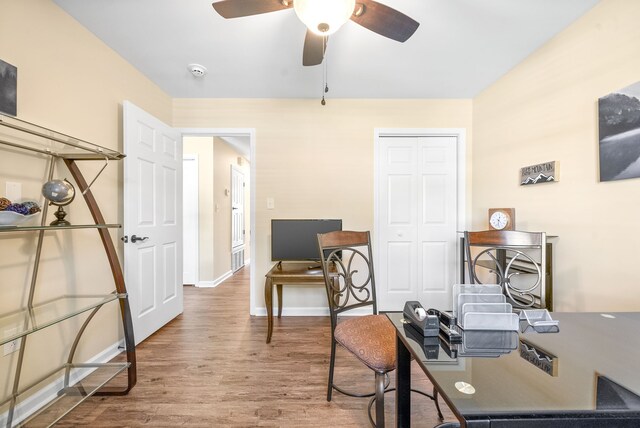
[[587, 375]]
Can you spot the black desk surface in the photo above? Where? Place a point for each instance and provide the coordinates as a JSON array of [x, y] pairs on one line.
[[594, 368]]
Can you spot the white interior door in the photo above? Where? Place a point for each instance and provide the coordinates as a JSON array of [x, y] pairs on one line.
[[417, 218], [190, 219], [152, 211], [237, 207]]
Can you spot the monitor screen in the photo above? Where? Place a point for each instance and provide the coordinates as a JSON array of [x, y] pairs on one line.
[[297, 239]]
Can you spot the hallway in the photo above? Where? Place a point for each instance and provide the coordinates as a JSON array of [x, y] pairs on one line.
[[211, 367]]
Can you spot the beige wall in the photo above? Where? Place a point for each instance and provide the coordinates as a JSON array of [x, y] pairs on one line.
[[203, 147], [70, 81], [222, 185], [546, 109], [315, 161], [246, 168]]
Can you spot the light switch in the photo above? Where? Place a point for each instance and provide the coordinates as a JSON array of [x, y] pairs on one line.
[[270, 203], [13, 191]]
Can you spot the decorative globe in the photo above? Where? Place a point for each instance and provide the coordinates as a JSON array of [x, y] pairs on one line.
[[59, 192]]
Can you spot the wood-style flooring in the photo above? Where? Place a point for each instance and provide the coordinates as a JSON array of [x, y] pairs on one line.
[[211, 367]]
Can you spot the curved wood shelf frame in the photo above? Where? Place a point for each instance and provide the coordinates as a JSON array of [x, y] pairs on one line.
[[118, 278], [69, 149]]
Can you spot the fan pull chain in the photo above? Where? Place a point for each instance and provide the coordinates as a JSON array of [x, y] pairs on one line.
[[326, 68], [325, 85]]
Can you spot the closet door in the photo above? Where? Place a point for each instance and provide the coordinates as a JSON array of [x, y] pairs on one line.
[[417, 200]]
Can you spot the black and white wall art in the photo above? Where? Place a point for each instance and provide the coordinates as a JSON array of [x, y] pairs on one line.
[[546, 172], [8, 88], [619, 124]]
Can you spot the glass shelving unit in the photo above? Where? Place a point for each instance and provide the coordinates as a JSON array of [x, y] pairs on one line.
[[74, 381], [30, 320], [56, 228], [71, 384], [28, 136]]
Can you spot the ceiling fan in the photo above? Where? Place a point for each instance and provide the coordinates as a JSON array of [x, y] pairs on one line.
[[324, 17]]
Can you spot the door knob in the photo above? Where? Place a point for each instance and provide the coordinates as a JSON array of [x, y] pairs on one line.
[[135, 238]]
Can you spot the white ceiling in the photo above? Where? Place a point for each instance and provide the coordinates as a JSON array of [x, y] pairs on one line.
[[460, 48]]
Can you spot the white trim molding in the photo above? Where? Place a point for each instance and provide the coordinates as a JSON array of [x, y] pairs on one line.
[[219, 280]]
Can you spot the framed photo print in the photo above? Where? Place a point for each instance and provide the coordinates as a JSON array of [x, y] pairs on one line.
[[619, 134], [8, 88]]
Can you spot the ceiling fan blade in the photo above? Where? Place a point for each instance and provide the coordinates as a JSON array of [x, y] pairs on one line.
[[314, 47], [384, 20], [239, 8]]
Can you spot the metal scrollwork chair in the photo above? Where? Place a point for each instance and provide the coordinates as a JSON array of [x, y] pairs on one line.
[[348, 272], [518, 261]]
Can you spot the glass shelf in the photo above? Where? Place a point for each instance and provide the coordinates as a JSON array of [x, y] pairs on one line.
[[73, 226], [27, 321], [42, 140], [85, 380]]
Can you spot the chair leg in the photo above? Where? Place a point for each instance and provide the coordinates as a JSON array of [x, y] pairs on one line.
[[435, 399], [332, 363], [380, 400]]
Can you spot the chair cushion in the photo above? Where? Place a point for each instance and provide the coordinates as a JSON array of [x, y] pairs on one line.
[[371, 338]]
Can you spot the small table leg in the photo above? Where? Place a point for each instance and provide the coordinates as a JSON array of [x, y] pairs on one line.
[[279, 287], [268, 300], [403, 385]]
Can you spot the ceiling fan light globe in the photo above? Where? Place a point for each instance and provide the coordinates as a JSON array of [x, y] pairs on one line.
[[324, 17]]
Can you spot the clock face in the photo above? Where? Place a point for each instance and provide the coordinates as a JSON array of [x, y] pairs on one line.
[[498, 220]]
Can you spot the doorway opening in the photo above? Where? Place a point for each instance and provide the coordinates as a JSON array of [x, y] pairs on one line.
[[219, 195]]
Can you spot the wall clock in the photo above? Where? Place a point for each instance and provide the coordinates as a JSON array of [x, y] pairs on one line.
[[502, 218]]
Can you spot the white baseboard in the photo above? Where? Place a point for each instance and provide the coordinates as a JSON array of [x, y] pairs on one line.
[[309, 312], [48, 393], [223, 277], [205, 284], [216, 282]]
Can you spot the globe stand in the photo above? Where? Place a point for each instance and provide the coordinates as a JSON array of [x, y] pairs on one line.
[[60, 214]]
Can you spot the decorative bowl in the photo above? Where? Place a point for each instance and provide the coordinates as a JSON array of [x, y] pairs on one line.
[[10, 218]]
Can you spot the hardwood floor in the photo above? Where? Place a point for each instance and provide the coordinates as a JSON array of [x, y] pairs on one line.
[[211, 367]]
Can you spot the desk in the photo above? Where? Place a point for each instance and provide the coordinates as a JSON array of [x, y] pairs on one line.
[[590, 380], [287, 273]]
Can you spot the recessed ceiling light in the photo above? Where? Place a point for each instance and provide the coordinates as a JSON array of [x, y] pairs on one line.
[[197, 70]]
